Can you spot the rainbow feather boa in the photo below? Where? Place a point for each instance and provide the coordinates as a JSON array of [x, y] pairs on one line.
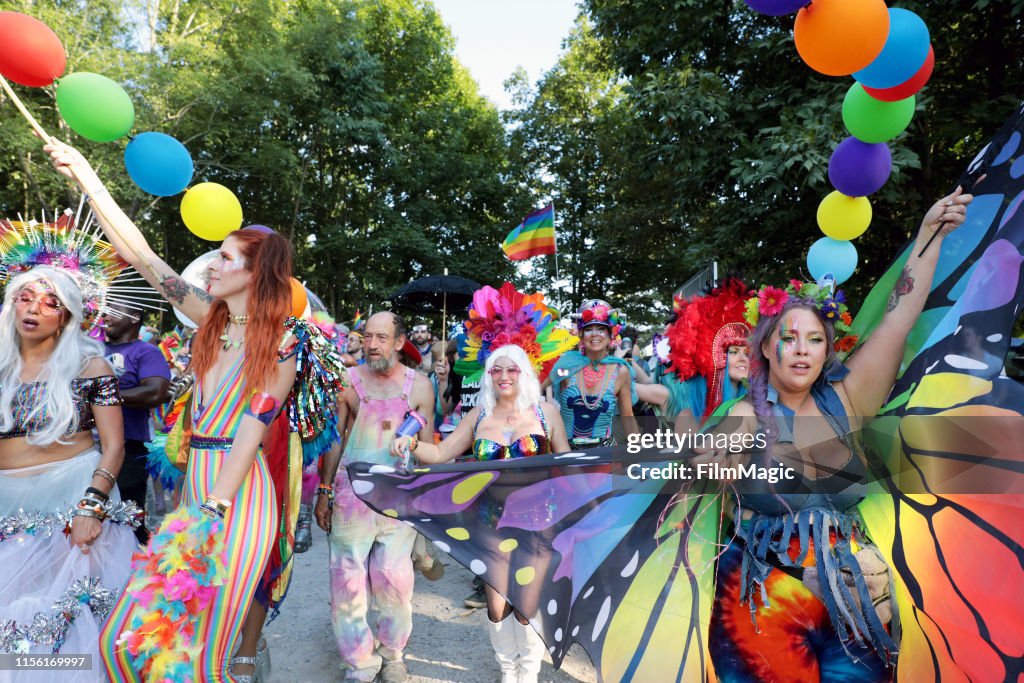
[[175, 580]]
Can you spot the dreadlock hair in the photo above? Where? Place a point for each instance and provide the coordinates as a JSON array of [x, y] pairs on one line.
[[268, 257]]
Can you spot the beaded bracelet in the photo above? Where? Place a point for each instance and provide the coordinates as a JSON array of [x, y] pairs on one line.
[[327, 491], [99, 471]]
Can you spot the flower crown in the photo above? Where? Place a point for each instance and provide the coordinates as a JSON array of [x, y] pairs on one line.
[[832, 305]]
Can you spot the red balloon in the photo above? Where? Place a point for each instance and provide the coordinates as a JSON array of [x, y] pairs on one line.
[[32, 54], [908, 87]]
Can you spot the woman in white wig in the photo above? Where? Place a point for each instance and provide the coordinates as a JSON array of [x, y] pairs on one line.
[[65, 538], [510, 422]]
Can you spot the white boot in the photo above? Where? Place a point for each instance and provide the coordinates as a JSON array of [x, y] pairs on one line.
[[531, 651], [506, 651]]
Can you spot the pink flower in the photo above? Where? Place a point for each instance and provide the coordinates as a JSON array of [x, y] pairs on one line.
[[796, 285], [772, 299]]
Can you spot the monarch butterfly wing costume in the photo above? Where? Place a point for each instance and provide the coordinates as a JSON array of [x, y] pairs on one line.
[[622, 566], [949, 440]]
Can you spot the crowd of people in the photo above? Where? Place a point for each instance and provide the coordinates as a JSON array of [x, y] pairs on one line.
[[238, 409]]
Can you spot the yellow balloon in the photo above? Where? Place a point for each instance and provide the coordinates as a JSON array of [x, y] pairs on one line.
[[844, 218], [211, 211]]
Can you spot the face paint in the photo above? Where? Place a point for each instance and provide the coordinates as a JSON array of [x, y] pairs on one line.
[[781, 345], [263, 407]]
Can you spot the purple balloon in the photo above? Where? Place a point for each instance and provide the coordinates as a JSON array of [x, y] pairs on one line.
[[858, 169], [776, 8], [261, 228]]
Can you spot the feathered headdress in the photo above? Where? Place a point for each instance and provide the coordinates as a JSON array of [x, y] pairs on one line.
[[507, 316], [99, 270], [705, 327]]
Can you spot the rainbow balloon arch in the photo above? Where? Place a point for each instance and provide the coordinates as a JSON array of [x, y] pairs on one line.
[[888, 53]]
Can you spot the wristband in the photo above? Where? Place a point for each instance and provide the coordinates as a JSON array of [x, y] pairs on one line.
[[219, 505], [96, 492], [210, 512], [327, 491]]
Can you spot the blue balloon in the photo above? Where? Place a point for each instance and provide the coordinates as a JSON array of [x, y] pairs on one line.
[[904, 53], [832, 256], [158, 164], [776, 8]]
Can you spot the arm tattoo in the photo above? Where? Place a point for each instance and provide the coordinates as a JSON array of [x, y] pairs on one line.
[[263, 407], [177, 289], [904, 285]]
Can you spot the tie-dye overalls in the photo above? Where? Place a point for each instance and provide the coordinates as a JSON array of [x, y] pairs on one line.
[[370, 551]]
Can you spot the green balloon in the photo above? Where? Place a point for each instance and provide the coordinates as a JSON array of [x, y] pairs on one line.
[[95, 107], [870, 120]]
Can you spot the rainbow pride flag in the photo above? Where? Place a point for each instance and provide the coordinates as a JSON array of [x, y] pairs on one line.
[[535, 236]]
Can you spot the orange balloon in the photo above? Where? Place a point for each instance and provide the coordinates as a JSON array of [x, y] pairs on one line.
[[299, 298], [838, 37]]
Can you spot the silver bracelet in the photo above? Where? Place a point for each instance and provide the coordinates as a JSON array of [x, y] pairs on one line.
[[80, 512], [106, 474]]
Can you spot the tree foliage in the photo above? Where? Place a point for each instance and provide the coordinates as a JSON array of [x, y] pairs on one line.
[[347, 126]]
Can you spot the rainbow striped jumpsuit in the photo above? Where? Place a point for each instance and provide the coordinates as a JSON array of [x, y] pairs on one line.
[[250, 525]]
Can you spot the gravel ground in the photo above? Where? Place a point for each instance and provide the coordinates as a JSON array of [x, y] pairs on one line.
[[449, 641]]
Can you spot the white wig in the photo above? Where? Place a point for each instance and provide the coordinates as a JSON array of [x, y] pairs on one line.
[[73, 352], [529, 386]]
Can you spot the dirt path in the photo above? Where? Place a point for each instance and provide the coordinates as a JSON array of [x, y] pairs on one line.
[[449, 642]]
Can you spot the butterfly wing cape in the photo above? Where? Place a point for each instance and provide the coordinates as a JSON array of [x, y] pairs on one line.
[[622, 566], [950, 439]]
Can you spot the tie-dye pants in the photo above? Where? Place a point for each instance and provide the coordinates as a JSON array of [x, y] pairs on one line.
[[370, 556]]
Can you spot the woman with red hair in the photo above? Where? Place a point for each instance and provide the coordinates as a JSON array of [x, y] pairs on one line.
[[243, 376]]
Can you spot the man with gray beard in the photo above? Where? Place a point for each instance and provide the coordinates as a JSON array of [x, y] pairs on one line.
[[370, 553]]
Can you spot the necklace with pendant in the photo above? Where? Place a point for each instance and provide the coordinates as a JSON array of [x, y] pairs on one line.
[[229, 343]]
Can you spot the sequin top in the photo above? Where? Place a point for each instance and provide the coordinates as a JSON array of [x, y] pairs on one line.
[[523, 447], [87, 392]]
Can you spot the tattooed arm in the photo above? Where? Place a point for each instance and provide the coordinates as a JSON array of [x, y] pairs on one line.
[[125, 236], [874, 367]]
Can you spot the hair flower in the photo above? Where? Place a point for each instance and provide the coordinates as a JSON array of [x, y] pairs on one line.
[[751, 314], [772, 299]]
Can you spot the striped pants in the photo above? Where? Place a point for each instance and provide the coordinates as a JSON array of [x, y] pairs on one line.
[[250, 525]]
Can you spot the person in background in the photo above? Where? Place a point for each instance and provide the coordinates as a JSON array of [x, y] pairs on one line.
[[144, 380], [355, 347], [422, 340]]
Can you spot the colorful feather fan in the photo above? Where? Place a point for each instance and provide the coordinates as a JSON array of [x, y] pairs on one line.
[[507, 316]]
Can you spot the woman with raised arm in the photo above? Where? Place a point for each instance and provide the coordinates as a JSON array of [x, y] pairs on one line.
[[801, 567], [510, 422], [244, 373]]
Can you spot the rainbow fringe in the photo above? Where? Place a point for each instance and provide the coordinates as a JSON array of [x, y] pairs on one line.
[[175, 580]]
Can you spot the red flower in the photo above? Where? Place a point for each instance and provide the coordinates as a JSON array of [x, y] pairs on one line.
[[846, 343], [588, 315], [845, 318], [796, 285], [771, 300]]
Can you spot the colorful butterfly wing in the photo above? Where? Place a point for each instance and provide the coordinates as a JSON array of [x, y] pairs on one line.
[[950, 439], [623, 567]]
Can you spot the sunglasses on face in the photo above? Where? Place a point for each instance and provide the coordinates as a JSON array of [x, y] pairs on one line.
[[49, 305], [498, 372]]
